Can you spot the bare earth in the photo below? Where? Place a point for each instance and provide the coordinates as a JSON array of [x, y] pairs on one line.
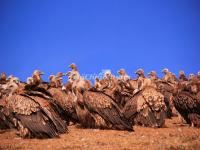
[[173, 136]]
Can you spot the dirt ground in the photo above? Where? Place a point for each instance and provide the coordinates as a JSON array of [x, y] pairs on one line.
[[173, 136]]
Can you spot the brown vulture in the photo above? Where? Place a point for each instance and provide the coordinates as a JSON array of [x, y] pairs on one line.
[[103, 108], [35, 115], [167, 90], [96, 109], [146, 108], [188, 105], [63, 98], [187, 101]]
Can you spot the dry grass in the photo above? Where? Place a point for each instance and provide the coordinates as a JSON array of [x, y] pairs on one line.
[[172, 137]]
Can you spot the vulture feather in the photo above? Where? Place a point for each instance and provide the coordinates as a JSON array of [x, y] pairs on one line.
[[188, 105], [102, 105], [146, 108]]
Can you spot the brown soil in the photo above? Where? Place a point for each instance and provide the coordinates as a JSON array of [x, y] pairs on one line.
[[173, 136]]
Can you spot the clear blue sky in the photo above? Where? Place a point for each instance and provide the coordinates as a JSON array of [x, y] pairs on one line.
[[99, 34]]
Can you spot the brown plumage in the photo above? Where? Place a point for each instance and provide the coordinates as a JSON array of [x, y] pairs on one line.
[[33, 110], [64, 99], [99, 104], [146, 108], [36, 117], [182, 76], [7, 120], [3, 78], [167, 90], [188, 104]]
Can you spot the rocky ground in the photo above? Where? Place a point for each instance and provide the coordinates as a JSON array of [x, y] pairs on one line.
[[173, 136]]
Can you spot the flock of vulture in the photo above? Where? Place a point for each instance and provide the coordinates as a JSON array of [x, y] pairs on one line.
[[38, 109]]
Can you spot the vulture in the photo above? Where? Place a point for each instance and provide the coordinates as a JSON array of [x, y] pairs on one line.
[[35, 116], [182, 76], [6, 118], [97, 108], [103, 108], [63, 97], [146, 107], [187, 101], [188, 105], [166, 88]]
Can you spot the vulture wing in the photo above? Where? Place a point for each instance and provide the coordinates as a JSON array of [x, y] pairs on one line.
[[101, 104], [65, 102], [35, 114], [187, 103]]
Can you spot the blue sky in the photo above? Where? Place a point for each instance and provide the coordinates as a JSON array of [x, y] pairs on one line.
[[99, 34]]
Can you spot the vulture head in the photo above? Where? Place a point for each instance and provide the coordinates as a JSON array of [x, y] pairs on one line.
[[193, 83], [198, 74], [182, 76], [107, 74], [13, 79], [181, 73], [3, 76], [140, 72], [191, 77], [53, 81], [59, 78], [165, 71], [73, 66], [97, 79], [37, 76], [152, 75], [38, 72], [122, 72], [59, 75], [71, 77], [30, 81], [13, 85], [97, 83], [9, 78]]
